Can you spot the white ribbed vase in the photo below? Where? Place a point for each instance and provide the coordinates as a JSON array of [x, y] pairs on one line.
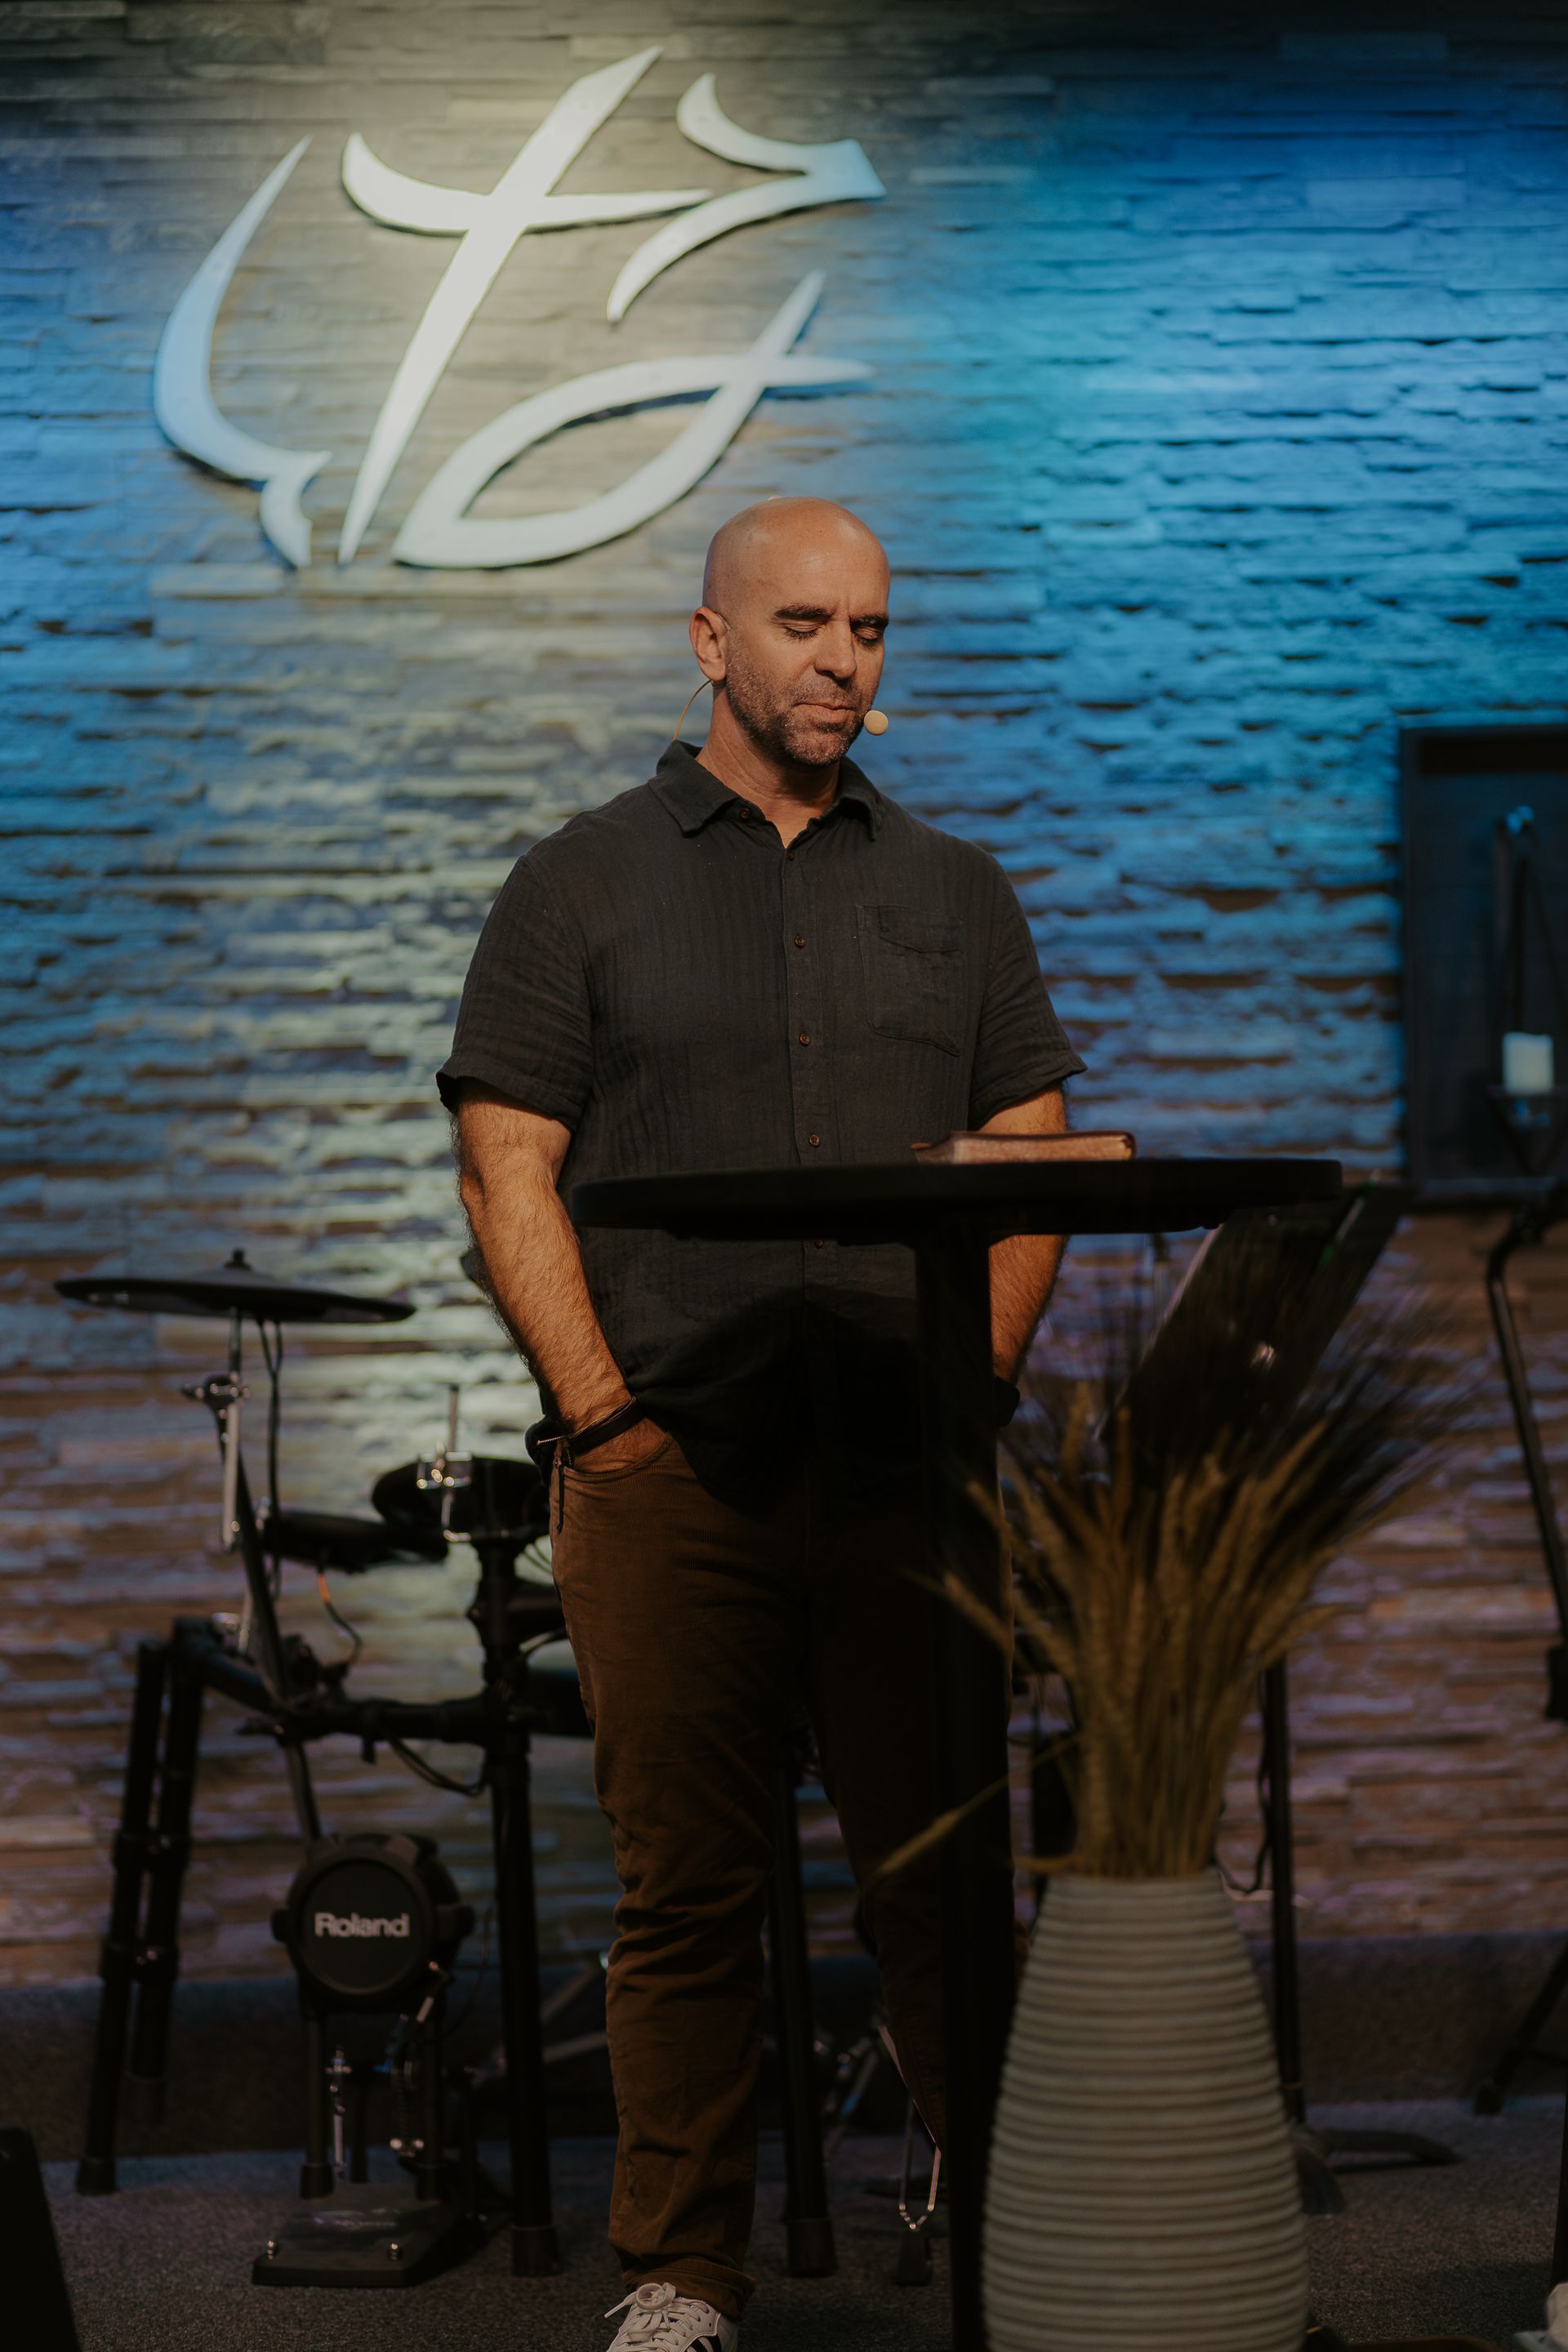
[[1141, 2186]]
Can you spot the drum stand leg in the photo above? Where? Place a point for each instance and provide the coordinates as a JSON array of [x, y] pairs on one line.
[[117, 1961], [431, 2177], [159, 1964], [535, 2248], [1321, 2192], [808, 2228], [149, 1960]]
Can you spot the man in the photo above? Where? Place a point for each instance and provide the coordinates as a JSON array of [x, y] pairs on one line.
[[753, 960]]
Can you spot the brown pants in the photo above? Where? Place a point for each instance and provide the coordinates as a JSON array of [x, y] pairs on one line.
[[696, 1630]]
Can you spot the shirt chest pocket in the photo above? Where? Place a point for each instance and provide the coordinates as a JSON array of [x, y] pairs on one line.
[[912, 964]]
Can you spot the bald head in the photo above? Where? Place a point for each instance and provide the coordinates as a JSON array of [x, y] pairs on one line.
[[790, 629], [764, 544]]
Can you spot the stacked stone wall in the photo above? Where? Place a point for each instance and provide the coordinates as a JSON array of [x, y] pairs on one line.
[[1216, 431]]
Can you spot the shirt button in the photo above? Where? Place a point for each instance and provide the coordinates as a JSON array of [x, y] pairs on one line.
[[800, 939], [814, 1140], [820, 1244], [790, 854], [805, 1037]]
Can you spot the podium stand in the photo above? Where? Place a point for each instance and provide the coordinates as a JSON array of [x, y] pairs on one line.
[[949, 1216]]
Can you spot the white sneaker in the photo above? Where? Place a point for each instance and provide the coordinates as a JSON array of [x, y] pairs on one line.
[[659, 2319]]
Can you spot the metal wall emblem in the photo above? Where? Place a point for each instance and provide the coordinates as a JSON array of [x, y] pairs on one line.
[[440, 531]]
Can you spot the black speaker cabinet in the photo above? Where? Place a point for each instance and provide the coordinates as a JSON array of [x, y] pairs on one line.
[[35, 2293], [1459, 788]]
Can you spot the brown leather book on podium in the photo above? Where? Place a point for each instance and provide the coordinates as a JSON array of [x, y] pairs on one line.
[[966, 1150]]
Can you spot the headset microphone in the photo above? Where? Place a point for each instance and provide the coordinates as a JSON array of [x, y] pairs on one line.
[[876, 722], [687, 703]]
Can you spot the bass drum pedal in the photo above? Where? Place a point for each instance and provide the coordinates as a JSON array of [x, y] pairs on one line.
[[372, 1924]]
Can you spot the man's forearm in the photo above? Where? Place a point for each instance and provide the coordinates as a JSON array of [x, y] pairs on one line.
[[536, 1272], [1024, 1268], [1023, 1275], [534, 1269]]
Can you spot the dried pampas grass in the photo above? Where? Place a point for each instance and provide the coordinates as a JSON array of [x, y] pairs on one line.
[[1167, 1533]]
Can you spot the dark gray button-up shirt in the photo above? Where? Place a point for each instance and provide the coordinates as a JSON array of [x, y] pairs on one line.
[[683, 992]]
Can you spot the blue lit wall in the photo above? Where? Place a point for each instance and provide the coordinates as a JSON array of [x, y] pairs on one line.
[[1217, 429]]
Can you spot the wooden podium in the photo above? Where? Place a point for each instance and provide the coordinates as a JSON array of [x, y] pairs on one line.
[[950, 1211]]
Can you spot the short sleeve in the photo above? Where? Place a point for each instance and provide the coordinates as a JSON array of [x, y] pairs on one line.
[[1021, 1049], [524, 1024]]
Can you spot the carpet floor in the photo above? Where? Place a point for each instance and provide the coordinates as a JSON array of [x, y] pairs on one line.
[[164, 2266]]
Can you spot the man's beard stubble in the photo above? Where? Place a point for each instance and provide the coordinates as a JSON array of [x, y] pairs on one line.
[[787, 734]]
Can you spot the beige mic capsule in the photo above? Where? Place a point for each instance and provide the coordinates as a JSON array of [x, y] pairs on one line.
[[876, 722]]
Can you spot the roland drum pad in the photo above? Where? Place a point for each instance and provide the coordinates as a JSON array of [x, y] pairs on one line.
[[370, 1922]]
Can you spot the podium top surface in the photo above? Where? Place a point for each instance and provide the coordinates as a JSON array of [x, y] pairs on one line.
[[907, 1202]]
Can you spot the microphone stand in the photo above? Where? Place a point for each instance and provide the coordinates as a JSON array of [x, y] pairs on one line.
[[1314, 2143], [1528, 1225]]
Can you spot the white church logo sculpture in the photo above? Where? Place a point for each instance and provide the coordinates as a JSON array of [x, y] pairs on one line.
[[440, 530]]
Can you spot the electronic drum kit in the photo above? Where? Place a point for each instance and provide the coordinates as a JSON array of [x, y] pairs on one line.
[[371, 1923]]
